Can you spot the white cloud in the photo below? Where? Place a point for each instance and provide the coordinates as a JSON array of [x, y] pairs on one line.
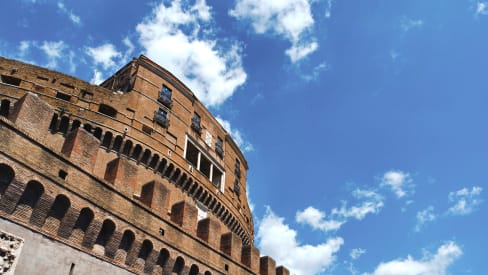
[[407, 24], [24, 47], [73, 17], [356, 253], [278, 240], [171, 36], [97, 77], [104, 55], [400, 182], [236, 135], [423, 217], [481, 8], [369, 202], [53, 51], [328, 8], [315, 218], [465, 201], [290, 19], [436, 264]]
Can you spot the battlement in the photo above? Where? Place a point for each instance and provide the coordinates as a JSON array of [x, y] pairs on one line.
[[93, 177]]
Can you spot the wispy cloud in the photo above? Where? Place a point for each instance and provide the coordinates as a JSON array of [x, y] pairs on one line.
[[436, 264], [277, 239], [365, 202], [289, 19], [104, 55], [73, 17], [406, 23], [399, 182], [54, 52], [238, 137], [356, 253], [464, 200], [481, 8], [172, 36], [425, 216]]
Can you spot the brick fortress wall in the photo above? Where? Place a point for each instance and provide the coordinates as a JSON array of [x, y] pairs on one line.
[[96, 169]]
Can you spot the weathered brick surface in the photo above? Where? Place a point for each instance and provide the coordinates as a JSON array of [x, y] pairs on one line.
[[267, 266], [115, 184], [281, 270]]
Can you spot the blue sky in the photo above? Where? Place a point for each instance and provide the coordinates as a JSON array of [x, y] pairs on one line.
[[364, 122]]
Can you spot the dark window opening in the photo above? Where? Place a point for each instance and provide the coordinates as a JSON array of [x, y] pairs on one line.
[[42, 78], [205, 166], [146, 249], [161, 231], [146, 156], [237, 169], [11, 80], [75, 125], [218, 147], [107, 139], [67, 85], [163, 257], [32, 194], [117, 143], [60, 207], [136, 152], [106, 232], [192, 154], [216, 177], [127, 148], [165, 96], [195, 123], [4, 108], [237, 188], [107, 110], [98, 133], [87, 127], [54, 123], [154, 162], [84, 219], [179, 265], [226, 267], [6, 176], [193, 270], [127, 240], [86, 94], [63, 96], [64, 125], [161, 118], [62, 174]]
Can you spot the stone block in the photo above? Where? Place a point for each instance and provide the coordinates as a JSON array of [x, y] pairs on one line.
[[81, 148], [185, 215], [32, 115], [155, 195], [231, 245], [250, 257], [281, 270], [122, 174], [208, 230], [267, 266]]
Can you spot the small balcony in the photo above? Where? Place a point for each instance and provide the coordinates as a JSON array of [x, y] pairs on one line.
[[161, 119]]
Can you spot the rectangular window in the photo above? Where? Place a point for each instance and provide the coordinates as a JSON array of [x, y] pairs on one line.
[[237, 169], [10, 80], [195, 123], [63, 96], [204, 164], [165, 96], [218, 147], [161, 118]]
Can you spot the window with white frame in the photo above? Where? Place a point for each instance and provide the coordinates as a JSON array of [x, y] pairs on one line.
[[204, 164]]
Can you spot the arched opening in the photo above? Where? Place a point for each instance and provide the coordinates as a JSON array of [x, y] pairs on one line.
[[87, 127], [107, 110], [98, 133], [54, 123], [75, 125], [154, 161], [179, 265], [107, 139], [84, 219], [182, 180], [7, 174], [162, 258], [59, 208], [4, 108], [127, 147], [188, 184], [207, 273], [193, 270], [64, 125], [29, 199], [162, 165], [117, 143], [169, 170], [146, 156], [106, 233], [146, 249], [176, 174], [127, 241], [136, 153]]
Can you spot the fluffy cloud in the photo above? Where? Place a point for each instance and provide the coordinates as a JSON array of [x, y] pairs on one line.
[[172, 37], [277, 239], [423, 217], [53, 51], [465, 201], [436, 264], [481, 8], [73, 17], [236, 135], [366, 202], [400, 182], [290, 19], [104, 55], [315, 218]]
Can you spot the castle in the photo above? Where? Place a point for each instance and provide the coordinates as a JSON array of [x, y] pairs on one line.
[[132, 176]]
